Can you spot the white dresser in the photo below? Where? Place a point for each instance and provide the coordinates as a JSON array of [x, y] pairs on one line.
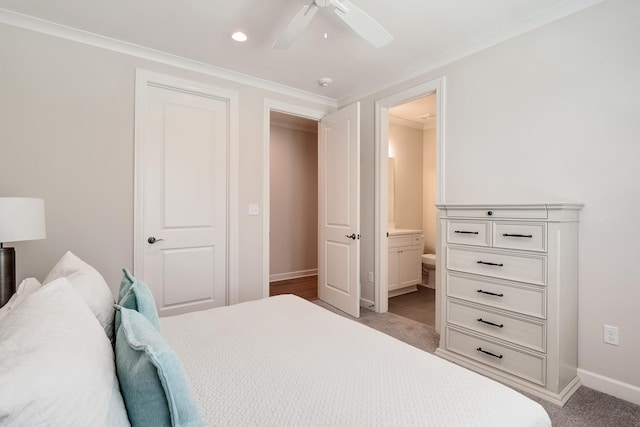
[[509, 294], [405, 264]]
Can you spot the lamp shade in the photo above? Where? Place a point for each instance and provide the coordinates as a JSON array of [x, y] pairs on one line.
[[21, 218]]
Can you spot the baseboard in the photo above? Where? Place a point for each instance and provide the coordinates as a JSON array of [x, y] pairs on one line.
[[292, 275], [402, 291], [368, 304], [607, 385]]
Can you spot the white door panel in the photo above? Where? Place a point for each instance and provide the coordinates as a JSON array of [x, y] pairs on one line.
[[184, 199], [193, 267], [339, 209]]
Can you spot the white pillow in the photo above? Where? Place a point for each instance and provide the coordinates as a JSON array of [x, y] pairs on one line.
[[26, 288], [90, 285], [56, 364]]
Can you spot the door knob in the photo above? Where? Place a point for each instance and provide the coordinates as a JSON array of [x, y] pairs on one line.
[[352, 236], [153, 240]]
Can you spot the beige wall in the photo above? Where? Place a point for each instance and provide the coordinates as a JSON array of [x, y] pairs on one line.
[[429, 213], [415, 176], [294, 201], [553, 115], [407, 146], [67, 136]]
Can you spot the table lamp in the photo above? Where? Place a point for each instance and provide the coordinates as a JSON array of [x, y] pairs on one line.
[[21, 218]]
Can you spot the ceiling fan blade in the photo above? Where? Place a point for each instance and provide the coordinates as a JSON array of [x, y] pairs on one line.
[[293, 29], [363, 24]]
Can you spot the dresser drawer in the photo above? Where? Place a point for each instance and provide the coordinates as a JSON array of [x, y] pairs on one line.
[[526, 365], [519, 331], [488, 212], [529, 300], [469, 232], [521, 268], [529, 236]]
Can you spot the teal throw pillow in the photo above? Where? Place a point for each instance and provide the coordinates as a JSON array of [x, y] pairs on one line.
[[153, 384], [125, 284], [138, 297]]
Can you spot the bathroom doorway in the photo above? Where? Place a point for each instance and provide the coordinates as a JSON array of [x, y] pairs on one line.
[[411, 208], [421, 220]]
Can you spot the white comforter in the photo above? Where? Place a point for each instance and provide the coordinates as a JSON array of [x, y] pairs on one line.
[[285, 361]]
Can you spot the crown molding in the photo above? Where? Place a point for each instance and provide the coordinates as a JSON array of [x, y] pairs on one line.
[[96, 40], [525, 25], [401, 121], [310, 127]]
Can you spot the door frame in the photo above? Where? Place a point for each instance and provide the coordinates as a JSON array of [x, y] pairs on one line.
[[144, 79], [381, 141], [294, 110]]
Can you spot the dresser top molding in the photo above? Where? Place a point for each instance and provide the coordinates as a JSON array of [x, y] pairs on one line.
[[552, 211]]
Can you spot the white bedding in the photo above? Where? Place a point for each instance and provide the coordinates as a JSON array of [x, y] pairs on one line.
[[285, 361]]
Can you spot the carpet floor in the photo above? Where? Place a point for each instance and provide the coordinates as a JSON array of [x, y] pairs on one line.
[[586, 408]]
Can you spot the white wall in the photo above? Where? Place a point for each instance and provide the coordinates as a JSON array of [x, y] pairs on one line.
[[67, 135], [554, 114], [293, 235]]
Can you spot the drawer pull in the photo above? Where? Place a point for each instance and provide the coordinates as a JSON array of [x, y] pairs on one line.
[[491, 263], [466, 232], [489, 293], [518, 235], [499, 356], [491, 323]]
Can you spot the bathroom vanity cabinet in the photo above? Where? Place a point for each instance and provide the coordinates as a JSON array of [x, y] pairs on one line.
[[405, 265], [508, 306]]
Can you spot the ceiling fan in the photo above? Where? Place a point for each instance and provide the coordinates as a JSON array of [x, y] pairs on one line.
[[351, 14]]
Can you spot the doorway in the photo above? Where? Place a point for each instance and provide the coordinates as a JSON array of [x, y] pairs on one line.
[[411, 208], [273, 106], [338, 203], [293, 207], [382, 111]]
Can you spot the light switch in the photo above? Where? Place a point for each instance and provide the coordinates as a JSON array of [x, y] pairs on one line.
[[254, 210]]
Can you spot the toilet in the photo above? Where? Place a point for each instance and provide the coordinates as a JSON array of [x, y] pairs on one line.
[[429, 267]]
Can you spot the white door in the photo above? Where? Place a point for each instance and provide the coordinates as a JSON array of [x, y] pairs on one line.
[[181, 159], [339, 209]]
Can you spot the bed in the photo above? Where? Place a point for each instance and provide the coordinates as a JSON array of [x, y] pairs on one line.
[[274, 362]]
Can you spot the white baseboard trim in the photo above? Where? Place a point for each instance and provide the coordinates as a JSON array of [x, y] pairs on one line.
[[292, 275], [368, 304], [607, 385]]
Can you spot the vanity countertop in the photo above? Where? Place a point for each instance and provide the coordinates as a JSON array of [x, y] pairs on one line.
[[401, 231]]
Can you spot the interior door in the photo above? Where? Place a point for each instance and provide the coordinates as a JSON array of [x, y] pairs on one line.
[[339, 209], [183, 198]]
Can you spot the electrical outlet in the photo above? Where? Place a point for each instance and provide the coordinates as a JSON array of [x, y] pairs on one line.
[[611, 335], [370, 278]]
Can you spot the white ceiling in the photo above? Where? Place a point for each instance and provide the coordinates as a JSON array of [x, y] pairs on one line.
[[419, 113], [427, 33]]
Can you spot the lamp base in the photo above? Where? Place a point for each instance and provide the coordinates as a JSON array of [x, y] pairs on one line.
[[7, 274]]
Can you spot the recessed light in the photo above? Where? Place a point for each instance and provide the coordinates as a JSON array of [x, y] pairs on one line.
[[239, 36]]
